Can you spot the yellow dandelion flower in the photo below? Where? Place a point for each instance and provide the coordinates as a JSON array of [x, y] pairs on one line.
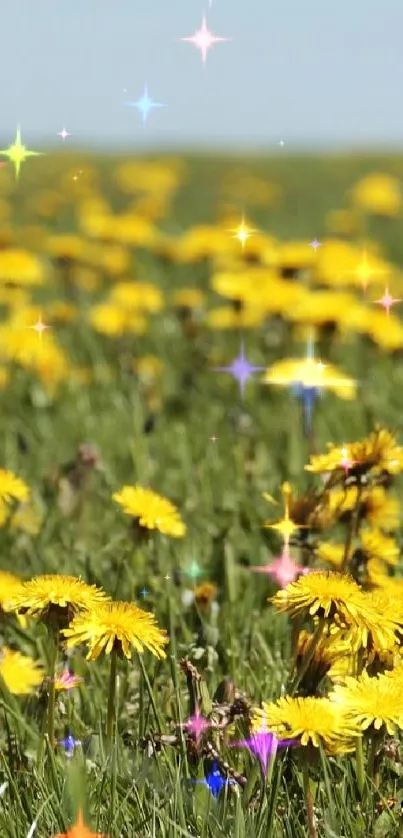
[[318, 721], [309, 373], [228, 318], [116, 625], [55, 598], [19, 267], [141, 296], [112, 320], [153, 511], [371, 702], [323, 594], [190, 298], [20, 673], [12, 489], [10, 585], [377, 507], [378, 194]]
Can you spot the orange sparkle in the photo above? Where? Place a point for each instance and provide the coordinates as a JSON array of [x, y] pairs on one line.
[[80, 830]]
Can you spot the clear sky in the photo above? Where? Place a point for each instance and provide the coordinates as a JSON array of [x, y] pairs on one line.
[[314, 73]]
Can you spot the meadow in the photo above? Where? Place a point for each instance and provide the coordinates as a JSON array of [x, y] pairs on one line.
[[124, 285]]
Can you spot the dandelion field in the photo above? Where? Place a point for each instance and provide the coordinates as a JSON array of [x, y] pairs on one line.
[[260, 569]]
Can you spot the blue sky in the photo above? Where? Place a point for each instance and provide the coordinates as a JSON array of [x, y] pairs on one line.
[[314, 73]]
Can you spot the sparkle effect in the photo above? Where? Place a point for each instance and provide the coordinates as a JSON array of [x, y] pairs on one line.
[[66, 680], [79, 830], [387, 301], [308, 392], [243, 233], [345, 461], [286, 527], [194, 571], [63, 134], [203, 39], [39, 327], [196, 724], [315, 244], [69, 744], [264, 745], [144, 593], [145, 104], [365, 272], [283, 569], [17, 153], [214, 780], [241, 369]]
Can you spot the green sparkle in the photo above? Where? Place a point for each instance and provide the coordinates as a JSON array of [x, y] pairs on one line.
[[17, 153]]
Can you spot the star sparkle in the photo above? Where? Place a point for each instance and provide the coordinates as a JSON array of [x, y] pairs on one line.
[[243, 232], [315, 244], [241, 369], [67, 680], [196, 724], [69, 743], [144, 593], [286, 527], [281, 143], [345, 461], [264, 745], [39, 327], [79, 830], [365, 271], [63, 134], [194, 571], [203, 39], [282, 569], [387, 301], [17, 153], [214, 781], [145, 104]]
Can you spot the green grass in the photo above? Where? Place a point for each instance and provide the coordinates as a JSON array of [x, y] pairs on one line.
[[128, 792]]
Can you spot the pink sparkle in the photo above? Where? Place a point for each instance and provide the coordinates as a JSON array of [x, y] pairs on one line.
[[283, 569], [345, 461], [66, 680], [387, 301], [39, 327], [63, 134], [196, 724], [203, 39]]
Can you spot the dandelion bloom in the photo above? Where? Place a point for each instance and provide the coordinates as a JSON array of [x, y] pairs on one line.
[[322, 593], [55, 598], [376, 702], [12, 488], [119, 625], [376, 454], [10, 585], [153, 511], [20, 673], [313, 720]]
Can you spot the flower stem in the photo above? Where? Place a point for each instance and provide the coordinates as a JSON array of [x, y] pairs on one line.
[[52, 688], [352, 531], [359, 758], [111, 713], [309, 655], [312, 831]]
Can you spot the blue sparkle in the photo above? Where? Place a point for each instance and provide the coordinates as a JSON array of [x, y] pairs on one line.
[[214, 781], [145, 104]]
